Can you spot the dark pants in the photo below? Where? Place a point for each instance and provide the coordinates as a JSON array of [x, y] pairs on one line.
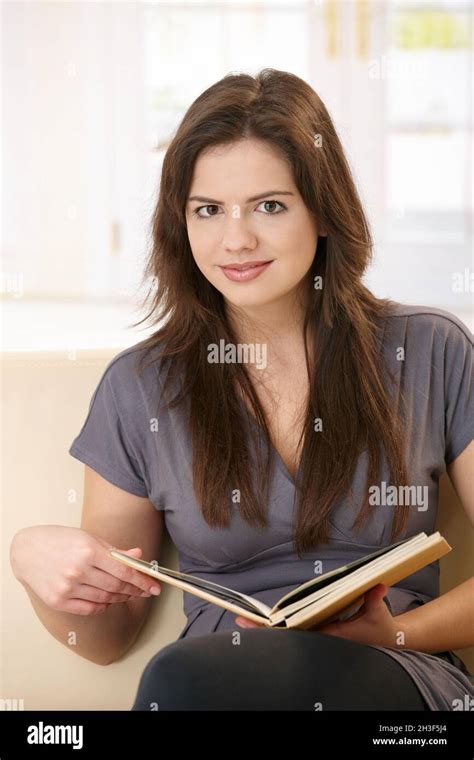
[[261, 669]]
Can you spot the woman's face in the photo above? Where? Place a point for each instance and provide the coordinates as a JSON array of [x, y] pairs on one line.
[[243, 207]]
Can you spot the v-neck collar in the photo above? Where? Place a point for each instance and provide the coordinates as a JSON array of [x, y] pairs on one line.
[[274, 451], [281, 465]]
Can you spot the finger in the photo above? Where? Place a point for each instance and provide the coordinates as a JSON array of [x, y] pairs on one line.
[[83, 607], [380, 589], [125, 573], [103, 580], [139, 580], [98, 595], [246, 623], [374, 598]]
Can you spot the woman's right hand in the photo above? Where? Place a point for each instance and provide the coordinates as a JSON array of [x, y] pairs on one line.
[[71, 571]]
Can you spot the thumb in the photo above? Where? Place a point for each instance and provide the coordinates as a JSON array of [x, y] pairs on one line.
[[136, 552], [374, 597]]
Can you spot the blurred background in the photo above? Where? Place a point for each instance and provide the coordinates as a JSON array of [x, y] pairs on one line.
[[92, 92]]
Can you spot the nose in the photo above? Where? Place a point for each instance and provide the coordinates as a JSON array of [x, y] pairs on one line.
[[237, 235]]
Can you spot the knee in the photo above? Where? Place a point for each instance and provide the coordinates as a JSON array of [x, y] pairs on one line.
[[169, 681]]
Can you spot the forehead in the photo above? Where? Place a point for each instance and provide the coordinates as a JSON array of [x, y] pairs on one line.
[[241, 166]]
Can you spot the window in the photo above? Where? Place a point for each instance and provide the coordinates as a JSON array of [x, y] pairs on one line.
[[104, 85]]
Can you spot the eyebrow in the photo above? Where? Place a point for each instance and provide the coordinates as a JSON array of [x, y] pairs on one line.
[[202, 199]]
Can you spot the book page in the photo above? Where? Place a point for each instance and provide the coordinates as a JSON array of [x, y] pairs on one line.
[[193, 584]]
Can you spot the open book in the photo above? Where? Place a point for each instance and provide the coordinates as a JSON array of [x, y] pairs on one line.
[[335, 595]]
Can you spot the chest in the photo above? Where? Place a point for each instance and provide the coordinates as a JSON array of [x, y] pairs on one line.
[[284, 398]]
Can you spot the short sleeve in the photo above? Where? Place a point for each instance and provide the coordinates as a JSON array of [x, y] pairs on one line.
[[459, 398], [102, 442]]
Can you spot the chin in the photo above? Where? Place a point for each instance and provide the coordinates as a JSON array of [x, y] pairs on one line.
[[248, 300]]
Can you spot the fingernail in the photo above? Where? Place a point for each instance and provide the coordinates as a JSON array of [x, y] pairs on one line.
[[155, 590]]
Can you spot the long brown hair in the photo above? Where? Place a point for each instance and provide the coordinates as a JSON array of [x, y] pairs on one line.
[[348, 378]]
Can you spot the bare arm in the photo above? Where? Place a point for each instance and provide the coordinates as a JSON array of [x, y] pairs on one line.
[[100, 638], [127, 520], [448, 621], [444, 623], [123, 520]]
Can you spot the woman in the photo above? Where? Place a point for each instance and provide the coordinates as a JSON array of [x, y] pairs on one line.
[[276, 392]]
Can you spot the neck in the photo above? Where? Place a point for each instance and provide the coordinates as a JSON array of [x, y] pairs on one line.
[[277, 324]]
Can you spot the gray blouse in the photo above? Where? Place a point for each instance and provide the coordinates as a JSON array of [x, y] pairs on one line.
[[147, 452]]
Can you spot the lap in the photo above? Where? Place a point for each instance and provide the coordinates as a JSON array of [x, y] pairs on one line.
[[261, 669]]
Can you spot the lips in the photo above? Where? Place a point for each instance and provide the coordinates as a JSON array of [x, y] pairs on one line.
[[245, 265], [245, 271]]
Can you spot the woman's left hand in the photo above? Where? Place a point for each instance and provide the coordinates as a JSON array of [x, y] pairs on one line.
[[372, 624]]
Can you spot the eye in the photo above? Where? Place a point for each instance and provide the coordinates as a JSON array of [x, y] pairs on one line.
[[271, 212], [271, 209], [197, 210]]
